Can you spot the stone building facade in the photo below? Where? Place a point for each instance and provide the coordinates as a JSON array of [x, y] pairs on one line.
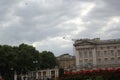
[[48, 74], [96, 53], [66, 61]]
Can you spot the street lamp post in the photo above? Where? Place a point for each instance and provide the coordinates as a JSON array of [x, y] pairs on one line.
[[35, 62], [12, 73]]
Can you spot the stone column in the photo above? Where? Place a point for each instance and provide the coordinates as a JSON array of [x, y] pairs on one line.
[[57, 73], [15, 75], [83, 58], [41, 74], [77, 59], [36, 74], [94, 57]]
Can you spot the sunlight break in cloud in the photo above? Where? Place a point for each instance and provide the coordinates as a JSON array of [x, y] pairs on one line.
[[57, 43], [87, 8]]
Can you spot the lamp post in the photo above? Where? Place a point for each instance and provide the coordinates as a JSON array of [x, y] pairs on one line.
[[35, 74], [35, 62], [12, 73]]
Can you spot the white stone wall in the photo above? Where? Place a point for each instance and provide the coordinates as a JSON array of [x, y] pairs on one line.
[[113, 59], [48, 73]]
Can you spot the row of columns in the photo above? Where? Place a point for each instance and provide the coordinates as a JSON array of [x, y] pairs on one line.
[[47, 74], [78, 57]]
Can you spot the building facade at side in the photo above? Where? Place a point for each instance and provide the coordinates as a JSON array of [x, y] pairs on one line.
[[96, 53], [66, 61]]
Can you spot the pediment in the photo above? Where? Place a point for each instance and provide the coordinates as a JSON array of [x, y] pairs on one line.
[[84, 42]]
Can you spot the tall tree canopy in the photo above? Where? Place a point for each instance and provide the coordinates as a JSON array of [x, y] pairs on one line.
[[48, 60], [24, 58], [7, 60]]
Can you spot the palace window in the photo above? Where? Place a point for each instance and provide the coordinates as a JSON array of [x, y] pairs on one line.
[[118, 52], [99, 61], [112, 52], [115, 47], [91, 61], [118, 59], [106, 60], [85, 55], [98, 53], [90, 54], [86, 60], [101, 48], [80, 54], [112, 60], [80, 62], [105, 53], [108, 47]]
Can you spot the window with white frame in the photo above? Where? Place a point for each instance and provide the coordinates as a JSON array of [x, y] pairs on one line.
[[119, 60], [90, 54], [106, 60], [80, 62], [98, 53], [91, 61], [112, 60], [80, 54], [118, 52], [85, 54], [86, 60], [99, 61], [105, 53], [112, 52]]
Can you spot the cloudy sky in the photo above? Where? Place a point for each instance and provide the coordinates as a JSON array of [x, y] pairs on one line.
[[52, 24]]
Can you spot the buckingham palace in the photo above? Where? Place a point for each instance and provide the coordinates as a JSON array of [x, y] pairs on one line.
[[96, 53]]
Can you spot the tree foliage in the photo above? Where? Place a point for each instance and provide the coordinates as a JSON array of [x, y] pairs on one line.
[[48, 60], [21, 59]]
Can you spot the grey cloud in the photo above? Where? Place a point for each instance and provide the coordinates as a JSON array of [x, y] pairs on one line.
[[5, 7], [40, 20], [48, 18], [99, 17], [56, 49], [105, 9]]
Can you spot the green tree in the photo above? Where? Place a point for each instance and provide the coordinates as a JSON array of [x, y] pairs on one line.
[[48, 60], [23, 58], [6, 60], [26, 55], [17, 58]]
